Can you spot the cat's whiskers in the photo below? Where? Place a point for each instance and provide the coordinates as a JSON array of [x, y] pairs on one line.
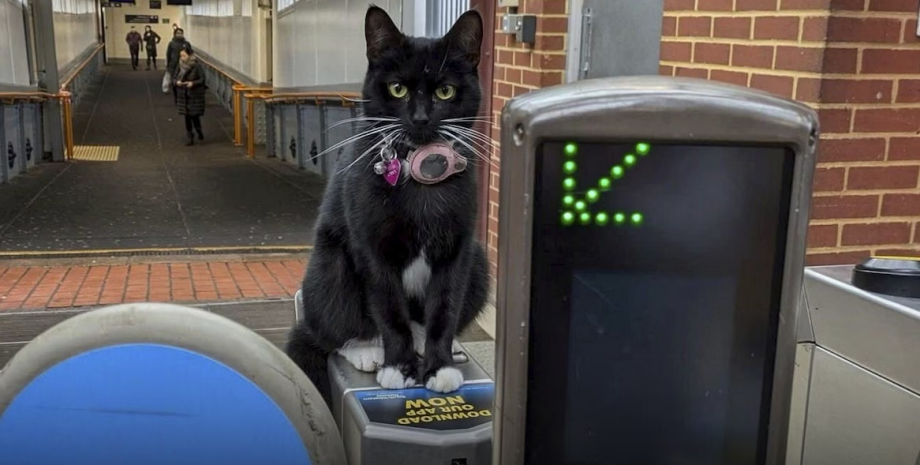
[[473, 120], [386, 139], [474, 135], [362, 119], [356, 100], [447, 134], [355, 138]]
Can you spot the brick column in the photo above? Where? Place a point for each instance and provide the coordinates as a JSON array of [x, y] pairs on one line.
[[858, 63], [520, 68]]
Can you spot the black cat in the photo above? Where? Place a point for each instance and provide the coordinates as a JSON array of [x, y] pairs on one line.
[[396, 270]]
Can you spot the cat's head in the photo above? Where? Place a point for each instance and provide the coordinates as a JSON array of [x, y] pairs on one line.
[[425, 84]]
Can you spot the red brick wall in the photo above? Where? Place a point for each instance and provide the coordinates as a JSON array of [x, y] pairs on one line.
[[858, 63], [520, 68]]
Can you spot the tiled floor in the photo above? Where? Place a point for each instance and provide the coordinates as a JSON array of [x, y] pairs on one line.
[[62, 286]]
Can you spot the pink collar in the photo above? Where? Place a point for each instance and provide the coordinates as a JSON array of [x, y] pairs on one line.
[[428, 164]]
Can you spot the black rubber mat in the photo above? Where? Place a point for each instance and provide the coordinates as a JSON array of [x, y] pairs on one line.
[[159, 193]]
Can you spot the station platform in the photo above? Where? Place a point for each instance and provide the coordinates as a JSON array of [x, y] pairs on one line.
[[136, 188]]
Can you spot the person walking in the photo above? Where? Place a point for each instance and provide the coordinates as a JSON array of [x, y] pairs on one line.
[[172, 54], [190, 92], [151, 39], [134, 40]]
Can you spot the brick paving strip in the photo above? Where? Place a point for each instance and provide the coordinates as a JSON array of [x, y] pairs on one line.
[[36, 287]]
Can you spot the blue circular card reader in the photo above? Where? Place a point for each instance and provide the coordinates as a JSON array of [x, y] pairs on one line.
[[153, 402]]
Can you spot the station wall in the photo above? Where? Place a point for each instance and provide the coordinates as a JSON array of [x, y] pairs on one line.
[[14, 61], [224, 30], [321, 42], [858, 64], [117, 27], [75, 29]]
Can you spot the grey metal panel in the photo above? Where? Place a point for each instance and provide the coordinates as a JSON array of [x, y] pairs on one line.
[[4, 166], [658, 108], [441, 14], [49, 79], [798, 406], [336, 134], [804, 332], [34, 133], [27, 136], [618, 37], [290, 139], [873, 331], [311, 136], [12, 141], [856, 417]]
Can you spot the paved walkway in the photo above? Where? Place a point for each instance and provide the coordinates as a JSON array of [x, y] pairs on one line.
[[188, 282], [158, 194]]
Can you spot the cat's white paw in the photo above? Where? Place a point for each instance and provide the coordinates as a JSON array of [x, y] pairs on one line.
[[392, 378], [366, 356], [447, 379], [418, 338]]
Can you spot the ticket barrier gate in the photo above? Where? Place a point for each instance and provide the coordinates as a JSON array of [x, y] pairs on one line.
[[856, 392], [149, 384], [414, 425]]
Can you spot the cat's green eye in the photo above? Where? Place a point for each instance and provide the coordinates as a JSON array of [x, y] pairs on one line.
[[398, 90], [445, 92]]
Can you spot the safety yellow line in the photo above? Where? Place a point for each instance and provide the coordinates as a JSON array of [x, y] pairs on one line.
[[293, 248]]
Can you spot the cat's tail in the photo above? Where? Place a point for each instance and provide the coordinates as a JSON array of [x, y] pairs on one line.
[[311, 359]]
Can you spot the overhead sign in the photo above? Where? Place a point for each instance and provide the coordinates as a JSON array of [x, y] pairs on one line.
[[142, 19], [469, 406]]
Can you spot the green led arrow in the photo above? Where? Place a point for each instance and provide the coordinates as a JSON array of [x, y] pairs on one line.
[[576, 205]]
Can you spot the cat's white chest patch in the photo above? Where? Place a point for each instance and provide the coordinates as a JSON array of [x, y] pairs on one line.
[[415, 277]]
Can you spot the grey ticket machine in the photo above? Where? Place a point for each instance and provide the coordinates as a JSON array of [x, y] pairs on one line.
[[651, 249]]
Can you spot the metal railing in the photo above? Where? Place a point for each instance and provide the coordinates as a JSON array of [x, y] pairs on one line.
[[314, 116], [21, 119], [20, 132], [257, 107], [232, 94], [71, 92]]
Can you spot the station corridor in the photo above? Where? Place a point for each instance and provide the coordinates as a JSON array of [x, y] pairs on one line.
[[138, 216], [158, 194]]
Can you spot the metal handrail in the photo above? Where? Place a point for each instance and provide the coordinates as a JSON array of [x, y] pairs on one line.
[[253, 93], [63, 95], [318, 98], [75, 71], [238, 89]]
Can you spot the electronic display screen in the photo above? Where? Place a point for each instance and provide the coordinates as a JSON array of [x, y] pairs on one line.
[[656, 282]]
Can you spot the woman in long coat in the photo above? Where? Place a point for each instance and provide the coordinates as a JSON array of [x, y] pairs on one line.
[[190, 92]]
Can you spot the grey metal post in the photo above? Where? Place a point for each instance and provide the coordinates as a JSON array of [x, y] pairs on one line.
[[48, 78], [611, 38]]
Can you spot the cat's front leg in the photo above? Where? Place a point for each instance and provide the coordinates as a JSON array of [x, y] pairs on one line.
[[388, 306], [445, 294]]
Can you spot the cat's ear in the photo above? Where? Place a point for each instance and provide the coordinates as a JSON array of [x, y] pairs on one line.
[[380, 32], [465, 37]]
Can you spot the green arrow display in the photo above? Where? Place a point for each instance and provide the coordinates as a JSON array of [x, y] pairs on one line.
[[576, 205]]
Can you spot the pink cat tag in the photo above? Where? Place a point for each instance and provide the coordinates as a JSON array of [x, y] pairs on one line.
[[393, 168]]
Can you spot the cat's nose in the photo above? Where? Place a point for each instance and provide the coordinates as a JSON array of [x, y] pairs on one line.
[[420, 117]]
